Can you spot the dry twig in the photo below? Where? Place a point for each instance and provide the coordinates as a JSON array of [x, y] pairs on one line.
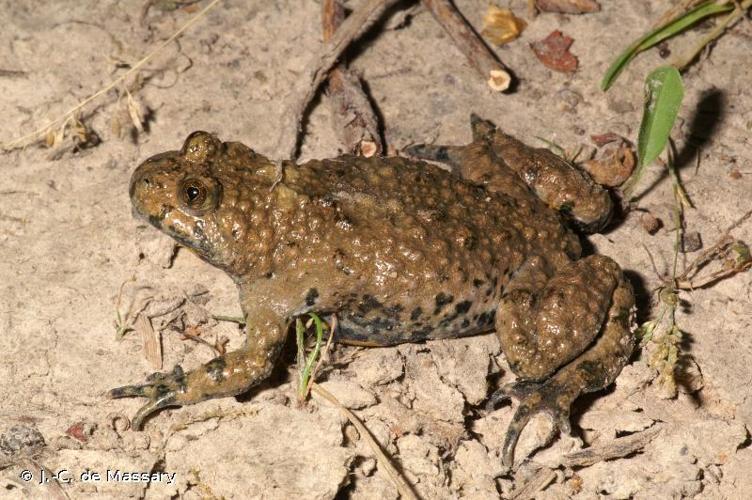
[[470, 44], [319, 67], [718, 250], [618, 448], [353, 117], [537, 483]]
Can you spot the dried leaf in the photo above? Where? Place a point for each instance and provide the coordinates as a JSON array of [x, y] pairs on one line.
[[134, 111], [650, 223], [501, 26], [691, 242], [553, 52], [601, 140], [568, 6], [151, 341], [613, 167]]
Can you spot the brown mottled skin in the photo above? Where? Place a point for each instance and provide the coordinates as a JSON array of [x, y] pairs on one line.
[[401, 251]]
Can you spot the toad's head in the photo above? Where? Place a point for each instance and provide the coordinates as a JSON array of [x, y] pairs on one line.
[[205, 196]]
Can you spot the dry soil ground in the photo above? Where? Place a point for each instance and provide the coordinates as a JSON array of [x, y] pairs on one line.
[[68, 241]]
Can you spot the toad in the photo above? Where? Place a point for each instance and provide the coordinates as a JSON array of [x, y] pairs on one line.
[[400, 250]]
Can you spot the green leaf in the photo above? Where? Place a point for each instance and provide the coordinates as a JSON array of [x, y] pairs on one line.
[[667, 30], [664, 92]]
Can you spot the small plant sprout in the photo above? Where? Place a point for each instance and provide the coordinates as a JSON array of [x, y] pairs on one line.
[[307, 366]]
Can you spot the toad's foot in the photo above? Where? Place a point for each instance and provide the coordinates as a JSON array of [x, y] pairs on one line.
[[594, 369], [534, 398], [228, 375], [161, 389]]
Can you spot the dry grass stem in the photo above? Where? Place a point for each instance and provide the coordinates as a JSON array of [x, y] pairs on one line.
[[41, 132], [404, 488], [738, 13]]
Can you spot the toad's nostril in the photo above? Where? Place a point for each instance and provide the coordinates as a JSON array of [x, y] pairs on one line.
[[146, 181]]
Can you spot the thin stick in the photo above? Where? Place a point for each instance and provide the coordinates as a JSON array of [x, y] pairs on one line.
[[619, 447], [537, 483], [404, 488], [470, 44], [39, 133], [318, 68], [353, 117], [684, 281]]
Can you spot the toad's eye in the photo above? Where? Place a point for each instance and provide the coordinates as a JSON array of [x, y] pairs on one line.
[[194, 193]]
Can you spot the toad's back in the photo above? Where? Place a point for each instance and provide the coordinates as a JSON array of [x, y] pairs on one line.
[[421, 252]]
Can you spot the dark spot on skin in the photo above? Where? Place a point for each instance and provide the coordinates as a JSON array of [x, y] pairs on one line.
[[155, 220], [489, 292], [235, 233], [215, 369], [441, 214], [198, 230], [514, 366], [416, 313], [442, 299], [593, 374], [477, 283], [394, 311], [421, 335], [368, 303], [311, 296], [463, 307], [346, 333], [486, 318], [326, 201], [465, 323], [374, 328], [269, 275]]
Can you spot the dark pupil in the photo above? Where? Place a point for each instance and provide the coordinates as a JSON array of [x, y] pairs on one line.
[[192, 192]]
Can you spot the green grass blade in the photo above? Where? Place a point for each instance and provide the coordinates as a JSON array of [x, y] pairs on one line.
[[664, 92], [671, 28], [305, 368]]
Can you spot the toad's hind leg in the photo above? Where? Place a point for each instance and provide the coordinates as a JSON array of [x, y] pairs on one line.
[[505, 164], [540, 328]]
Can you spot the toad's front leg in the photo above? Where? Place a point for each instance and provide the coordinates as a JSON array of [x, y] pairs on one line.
[[223, 376]]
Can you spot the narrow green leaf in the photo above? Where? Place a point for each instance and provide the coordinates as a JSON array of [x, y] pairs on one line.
[[671, 28], [664, 92]]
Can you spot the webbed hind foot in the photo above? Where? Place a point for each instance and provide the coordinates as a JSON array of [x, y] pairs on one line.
[[534, 397]]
